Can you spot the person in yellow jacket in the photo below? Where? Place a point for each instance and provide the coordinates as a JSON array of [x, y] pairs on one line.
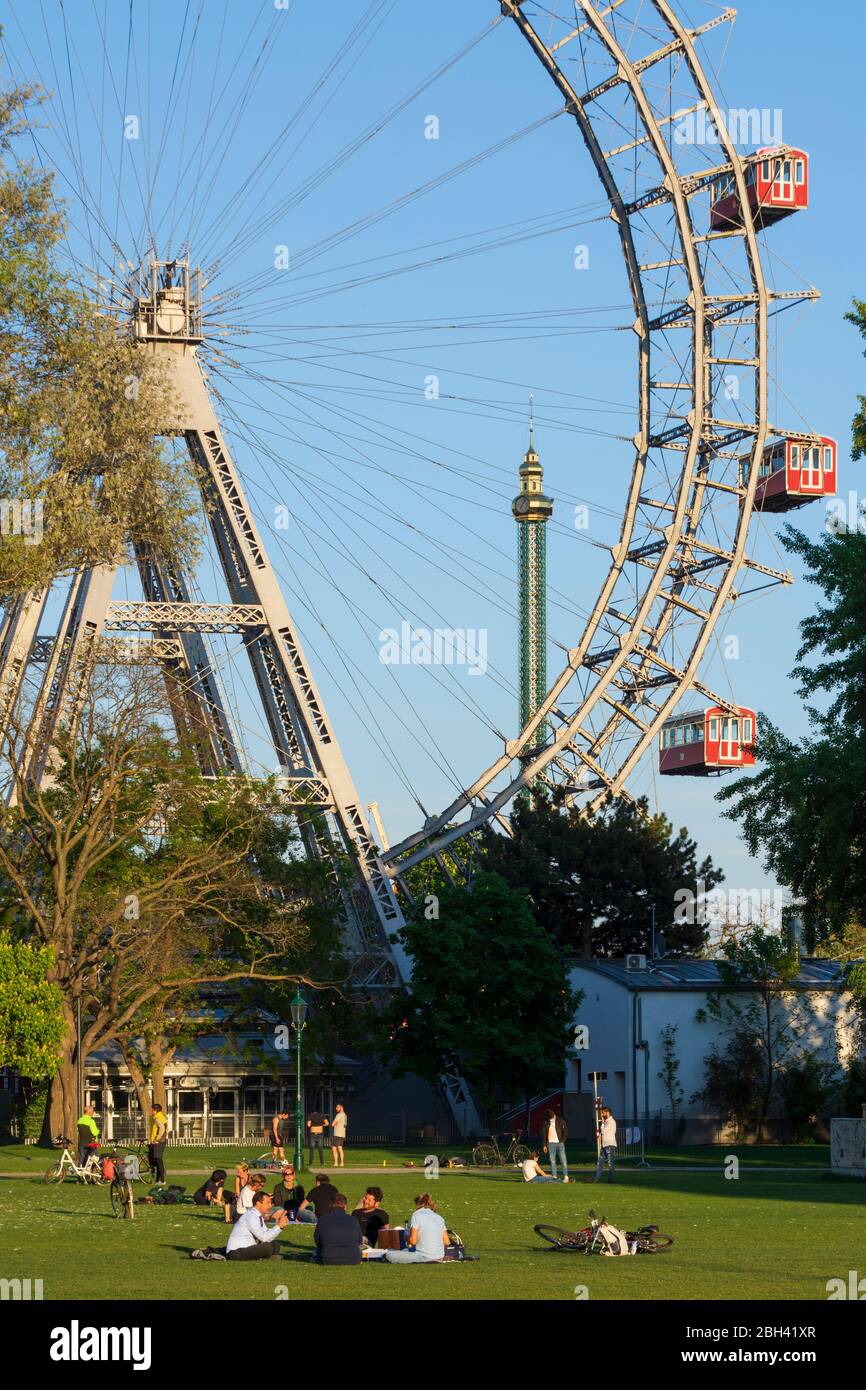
[[157, 1141], [88, 1134]]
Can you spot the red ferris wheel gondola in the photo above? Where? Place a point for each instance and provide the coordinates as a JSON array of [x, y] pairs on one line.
[[701, 743], [777, 184]]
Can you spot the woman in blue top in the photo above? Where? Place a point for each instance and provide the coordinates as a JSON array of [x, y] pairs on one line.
[[428, 1236]]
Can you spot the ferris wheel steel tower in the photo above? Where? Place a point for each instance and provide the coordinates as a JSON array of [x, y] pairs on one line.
[[701, 308]]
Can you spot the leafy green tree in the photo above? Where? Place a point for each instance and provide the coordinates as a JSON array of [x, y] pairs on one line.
[[804, 810], [857, 316], [733, 1082], [669, 1074], [805, 1088], [489, 997], [31, 1015], [80, 405], [594, 881], [766, 1019], [141, 876]]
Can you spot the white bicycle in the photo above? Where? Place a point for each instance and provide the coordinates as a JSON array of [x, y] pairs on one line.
[[66, 1167]]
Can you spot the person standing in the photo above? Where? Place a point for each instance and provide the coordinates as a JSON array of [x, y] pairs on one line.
[[251, 1238], [339, 1126], [157, 1141], [278, 1134], [88, 1134], [607, 1148], [555, 1135], [316, 1126]]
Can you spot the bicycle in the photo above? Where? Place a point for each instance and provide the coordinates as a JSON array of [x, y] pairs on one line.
[[89, 1172], [120, 1192], [491, 1156], [646, 1240]]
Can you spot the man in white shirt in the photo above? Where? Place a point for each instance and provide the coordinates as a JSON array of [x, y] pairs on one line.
[[251, 1238], [555, 1134], [533, 1171], [607, 1146]]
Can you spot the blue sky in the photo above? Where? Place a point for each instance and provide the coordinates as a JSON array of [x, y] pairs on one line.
[[396, 506]]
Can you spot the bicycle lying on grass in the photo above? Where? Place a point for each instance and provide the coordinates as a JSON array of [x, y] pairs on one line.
[[647, 1240]]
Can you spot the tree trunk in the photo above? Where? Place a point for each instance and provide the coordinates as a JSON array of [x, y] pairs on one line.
[[61, 1106], [137, 1077]]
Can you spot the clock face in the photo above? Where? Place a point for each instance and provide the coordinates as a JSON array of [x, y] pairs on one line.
[[522, 505]]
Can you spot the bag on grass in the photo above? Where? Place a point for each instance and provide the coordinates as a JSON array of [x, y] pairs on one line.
[[613, 1241]]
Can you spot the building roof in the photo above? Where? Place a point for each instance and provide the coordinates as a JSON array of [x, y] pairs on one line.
[[683, 974]]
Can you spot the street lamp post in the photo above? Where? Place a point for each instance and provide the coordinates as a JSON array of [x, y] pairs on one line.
[[299, 1016]]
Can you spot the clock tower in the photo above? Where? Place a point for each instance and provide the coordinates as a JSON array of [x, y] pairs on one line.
[[532, 510]]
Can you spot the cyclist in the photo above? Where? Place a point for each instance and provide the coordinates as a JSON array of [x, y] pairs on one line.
[[88, 1134]]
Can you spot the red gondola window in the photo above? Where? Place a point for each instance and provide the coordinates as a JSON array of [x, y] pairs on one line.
[[799, 172]]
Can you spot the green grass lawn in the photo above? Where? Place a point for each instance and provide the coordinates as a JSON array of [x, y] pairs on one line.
[[30, 1158], [767, 1235]]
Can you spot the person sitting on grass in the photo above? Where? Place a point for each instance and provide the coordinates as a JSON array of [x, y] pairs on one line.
[[319, 1201], [252, 1238], [428, 1236], [211, 1192], [337, 1237], [288, 1194], [370, 1216], [247, 1195], [533, 1171]]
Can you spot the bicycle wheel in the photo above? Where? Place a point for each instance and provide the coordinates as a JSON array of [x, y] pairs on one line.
[[519, 1154], [561, 1239], [146, 1170], [117, 1192], [654, 1245], [93, 1177], [54, 1174], [484, 1156]]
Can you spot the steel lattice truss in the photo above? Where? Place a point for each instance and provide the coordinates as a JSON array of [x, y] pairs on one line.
[[701, 312]]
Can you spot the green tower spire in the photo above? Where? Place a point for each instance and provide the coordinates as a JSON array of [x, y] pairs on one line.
[[532, 510]]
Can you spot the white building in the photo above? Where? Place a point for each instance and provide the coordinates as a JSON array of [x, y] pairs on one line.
[[628, 1003]]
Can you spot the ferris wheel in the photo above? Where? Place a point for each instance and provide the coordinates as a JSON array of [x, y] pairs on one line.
[[692, 213]]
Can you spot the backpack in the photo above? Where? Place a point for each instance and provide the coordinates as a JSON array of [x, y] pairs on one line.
[[456, 1250], [613, 1241]]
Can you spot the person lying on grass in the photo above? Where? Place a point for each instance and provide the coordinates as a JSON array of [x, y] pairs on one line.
[[428, 1236]]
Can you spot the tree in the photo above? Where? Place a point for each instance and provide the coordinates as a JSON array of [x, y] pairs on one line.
[[805, 1087], [594, 881], [857, 316], [733, 1079], [765, 1018], [141, 876], [489, 996], [31, 1017], [80, 467], [805, 809], [669, 1075]]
